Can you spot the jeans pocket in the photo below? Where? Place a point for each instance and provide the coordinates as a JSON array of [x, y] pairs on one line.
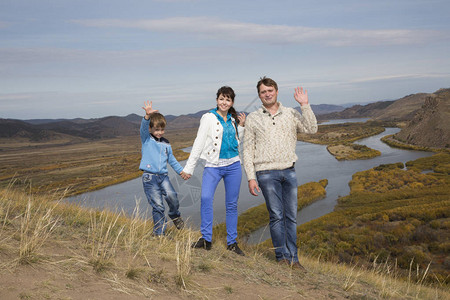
[[147, 177]]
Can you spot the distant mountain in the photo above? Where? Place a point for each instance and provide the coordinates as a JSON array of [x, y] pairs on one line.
[[320, 109], [186, 121], [10, 128], [430, 127], [133, 118], [394, 110], [358, 111], [350, 104], [403, 109], [106, 127]]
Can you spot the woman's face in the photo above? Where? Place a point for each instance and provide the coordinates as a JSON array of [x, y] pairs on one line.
[[224, 103]]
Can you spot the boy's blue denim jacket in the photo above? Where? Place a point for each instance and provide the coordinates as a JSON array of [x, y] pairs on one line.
[[156, 153]]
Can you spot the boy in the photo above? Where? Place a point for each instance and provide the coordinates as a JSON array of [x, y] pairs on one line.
[[156, 153]]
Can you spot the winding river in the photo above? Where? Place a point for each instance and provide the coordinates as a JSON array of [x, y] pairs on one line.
[[314, 164]]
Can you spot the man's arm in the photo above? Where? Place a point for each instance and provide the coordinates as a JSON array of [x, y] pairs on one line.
[[248, 155], [308, 121]]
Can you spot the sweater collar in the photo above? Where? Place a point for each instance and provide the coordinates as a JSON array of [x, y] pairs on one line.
[[279, 111]]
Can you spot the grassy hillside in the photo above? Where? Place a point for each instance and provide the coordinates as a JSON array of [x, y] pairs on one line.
[[51, 250]]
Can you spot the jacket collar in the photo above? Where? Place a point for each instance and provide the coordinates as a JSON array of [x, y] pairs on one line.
[[214, 111]]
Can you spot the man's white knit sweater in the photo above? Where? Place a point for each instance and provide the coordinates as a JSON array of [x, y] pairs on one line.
[[270, 140]]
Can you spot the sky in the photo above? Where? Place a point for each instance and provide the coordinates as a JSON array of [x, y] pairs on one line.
[[91, 59]]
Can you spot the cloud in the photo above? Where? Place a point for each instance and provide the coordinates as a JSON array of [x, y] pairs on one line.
[[164, 57], [14, 97], [213, 28], [4, 24], [400, 77]]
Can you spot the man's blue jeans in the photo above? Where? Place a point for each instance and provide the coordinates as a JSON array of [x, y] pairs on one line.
[[231, 175], [279, 188], [157, 187]]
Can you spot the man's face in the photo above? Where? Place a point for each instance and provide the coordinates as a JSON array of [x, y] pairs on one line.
[[268, 95], [157, 132]]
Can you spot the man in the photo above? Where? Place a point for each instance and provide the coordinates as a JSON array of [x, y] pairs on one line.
[[269, 156]]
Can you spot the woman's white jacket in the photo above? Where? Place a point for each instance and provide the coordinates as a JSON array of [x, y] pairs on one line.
[[208, 141]]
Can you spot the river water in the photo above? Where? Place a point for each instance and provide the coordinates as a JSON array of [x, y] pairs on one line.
[[314, 164]]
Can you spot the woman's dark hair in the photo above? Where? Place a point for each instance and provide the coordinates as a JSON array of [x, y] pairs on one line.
[[227, 91]]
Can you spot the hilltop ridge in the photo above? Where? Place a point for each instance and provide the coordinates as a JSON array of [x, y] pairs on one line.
[[430, 126]]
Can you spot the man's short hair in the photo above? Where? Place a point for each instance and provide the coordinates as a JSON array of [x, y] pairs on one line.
[[267, 82], [157, 120]]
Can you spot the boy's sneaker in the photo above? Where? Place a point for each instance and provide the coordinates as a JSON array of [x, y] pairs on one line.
[[235, 248], [178, 222], [202, 243]]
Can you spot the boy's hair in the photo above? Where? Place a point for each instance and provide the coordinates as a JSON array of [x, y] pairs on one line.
[[267, 82], [157, 120]]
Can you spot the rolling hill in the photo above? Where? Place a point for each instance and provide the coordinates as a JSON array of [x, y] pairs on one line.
[[430, 127], [402, 109]]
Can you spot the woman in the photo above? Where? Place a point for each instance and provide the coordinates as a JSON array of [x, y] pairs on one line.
[[217, 142]]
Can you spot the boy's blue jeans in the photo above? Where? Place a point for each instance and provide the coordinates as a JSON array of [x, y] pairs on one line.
[[157, 187], [279, 188], [231, 175]]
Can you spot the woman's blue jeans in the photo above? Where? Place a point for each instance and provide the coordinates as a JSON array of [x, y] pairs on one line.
[[157, 188], [279, 188], [231, 175]]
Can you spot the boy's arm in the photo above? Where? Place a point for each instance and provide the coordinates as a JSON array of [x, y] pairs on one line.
[[145, 134], [173, 162]]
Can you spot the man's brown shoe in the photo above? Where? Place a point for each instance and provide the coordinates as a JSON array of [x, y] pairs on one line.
[[284, 262], [298, 266]]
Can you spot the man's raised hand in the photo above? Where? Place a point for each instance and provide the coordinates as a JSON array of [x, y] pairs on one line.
[[300, 96]]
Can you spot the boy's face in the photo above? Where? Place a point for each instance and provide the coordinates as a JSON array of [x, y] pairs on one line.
[[157, 132]]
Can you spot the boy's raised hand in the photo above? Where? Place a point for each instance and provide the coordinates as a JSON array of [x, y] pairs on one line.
[[148, 108]]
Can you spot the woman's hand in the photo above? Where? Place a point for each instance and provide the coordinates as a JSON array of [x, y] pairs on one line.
[[241, 117]]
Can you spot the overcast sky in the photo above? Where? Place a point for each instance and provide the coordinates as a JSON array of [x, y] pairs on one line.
[[85, 58]]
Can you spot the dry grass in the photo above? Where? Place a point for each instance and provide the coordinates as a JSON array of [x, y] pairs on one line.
[[106, 255]]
